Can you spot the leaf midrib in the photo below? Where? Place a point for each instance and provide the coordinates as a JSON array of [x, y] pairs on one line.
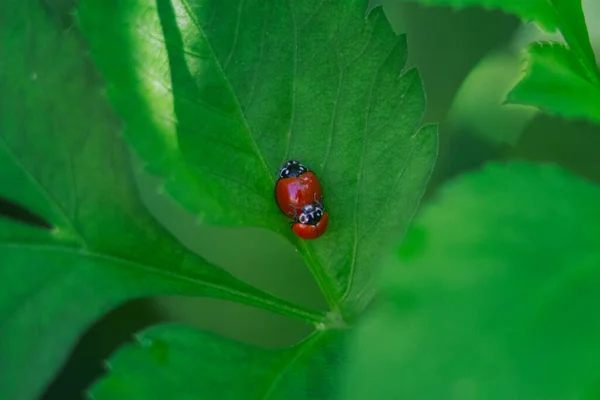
[[302, 348], [81, 252], [316, 267], [49, 198], [563, 70], [237, 103], [275, 304], [575, 45]]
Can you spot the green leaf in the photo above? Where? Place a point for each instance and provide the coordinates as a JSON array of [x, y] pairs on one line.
[[494, 295], [565, 15], [556, 83], [478, 105], [218, 94], [61, 157], [169, 359]]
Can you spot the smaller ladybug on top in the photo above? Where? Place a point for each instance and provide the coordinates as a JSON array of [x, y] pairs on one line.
[[299, 196]]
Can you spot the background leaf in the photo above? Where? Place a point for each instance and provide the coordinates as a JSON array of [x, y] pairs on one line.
[[171, 359], [218, 94], [556, 82], [566, 15], [479, 104], [541, 11], [490, 299], [61, 158]]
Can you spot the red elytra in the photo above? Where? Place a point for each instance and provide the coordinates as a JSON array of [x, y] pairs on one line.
[[294, 193], [308, 231], [296, 188]]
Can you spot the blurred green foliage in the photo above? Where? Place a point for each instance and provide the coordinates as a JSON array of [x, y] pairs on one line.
[[491, 294], [445, 45]]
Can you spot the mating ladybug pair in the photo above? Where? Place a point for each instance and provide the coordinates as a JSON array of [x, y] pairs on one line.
[[299, 196]]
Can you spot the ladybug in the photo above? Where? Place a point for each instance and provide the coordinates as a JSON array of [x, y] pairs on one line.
[[312, 221], [296, 188]]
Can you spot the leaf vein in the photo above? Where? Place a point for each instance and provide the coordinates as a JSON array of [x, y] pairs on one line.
[[272, 304], [236, 35], [294, 73], [359, 179], [307, 344], [341, 78], [59, 208], [257, 68], [241, 111]]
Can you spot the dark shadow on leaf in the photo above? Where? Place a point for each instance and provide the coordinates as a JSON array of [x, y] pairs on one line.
[[545, 140], [60, 11], [183, 83], [14, 211], [86, 362]]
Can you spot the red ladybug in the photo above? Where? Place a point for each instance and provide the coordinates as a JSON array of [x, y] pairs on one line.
[[296, 187], [311, 222]]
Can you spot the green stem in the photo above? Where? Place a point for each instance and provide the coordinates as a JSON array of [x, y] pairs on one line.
[[322, 280], [288, 309]]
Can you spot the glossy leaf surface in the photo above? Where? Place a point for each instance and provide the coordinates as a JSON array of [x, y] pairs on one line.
[[216, 95], [551, 15]]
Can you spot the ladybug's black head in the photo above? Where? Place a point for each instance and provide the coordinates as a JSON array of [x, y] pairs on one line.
[[292, 169], [311, 214]]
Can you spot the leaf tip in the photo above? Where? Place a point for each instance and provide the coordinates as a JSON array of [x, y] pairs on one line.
[[508, 99], [63, 234], [74, 14], [107, 366], [199, 219], [89, 394], [373, 4], [432, 127], [142, 340], [103, 92]]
